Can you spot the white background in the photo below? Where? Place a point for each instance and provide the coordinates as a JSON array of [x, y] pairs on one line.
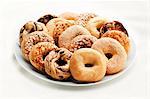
[[15, 82]]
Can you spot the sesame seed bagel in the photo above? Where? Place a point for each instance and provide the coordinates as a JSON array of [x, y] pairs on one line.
[[82, 41], [70, 33], [115, 53], [83, 18], [87, 65]]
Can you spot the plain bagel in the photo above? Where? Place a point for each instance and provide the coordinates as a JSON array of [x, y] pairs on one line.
[[115, 53], [94, 25], [87, 65]]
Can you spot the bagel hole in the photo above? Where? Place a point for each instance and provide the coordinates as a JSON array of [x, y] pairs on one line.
[[98, 29], [44, 55], [61, 62], [108, 55], [88, 65]]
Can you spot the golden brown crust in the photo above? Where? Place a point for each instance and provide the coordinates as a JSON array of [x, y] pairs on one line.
[[94, 25], [57, 26], [70, 33], [121, 37], [79, 61], [57, 64], [69, 16], [38, 52], [108, 45]]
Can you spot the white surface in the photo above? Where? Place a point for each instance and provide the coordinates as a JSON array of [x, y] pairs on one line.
[[28, 67], [16, 82]]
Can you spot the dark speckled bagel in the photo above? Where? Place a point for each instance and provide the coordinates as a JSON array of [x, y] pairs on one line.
[[57, 64], [115, 25], [44, 19], [30, 27]]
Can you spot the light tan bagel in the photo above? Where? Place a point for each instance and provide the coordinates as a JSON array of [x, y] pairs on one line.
[[94, 26], [121, 37], [56, 26], [69, 15], [30, 27], [31, 39], [70, 33], [82, 41], [38, 53], [114, 51], [87, 65], [57, 64], [83, 18]]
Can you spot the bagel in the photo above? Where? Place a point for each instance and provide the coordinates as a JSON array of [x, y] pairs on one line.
[[121, 37], [69, 15], [83, 18], [87, 65], [30, 27], [46, 18], [114, 25], [57, 64], [70, 33], [57, 26], [94, 25], [38, 53], [31, 39], [82, 41], [115, 53]]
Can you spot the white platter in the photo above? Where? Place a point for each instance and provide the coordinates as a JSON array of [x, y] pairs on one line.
[[28, 67]]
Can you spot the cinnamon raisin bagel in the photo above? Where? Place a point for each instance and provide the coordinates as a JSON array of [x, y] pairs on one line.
[[46, 18], [57, 64], [30, 27], [114, 25]]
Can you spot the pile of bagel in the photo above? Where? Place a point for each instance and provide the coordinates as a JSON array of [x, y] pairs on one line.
[[84, 47]]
